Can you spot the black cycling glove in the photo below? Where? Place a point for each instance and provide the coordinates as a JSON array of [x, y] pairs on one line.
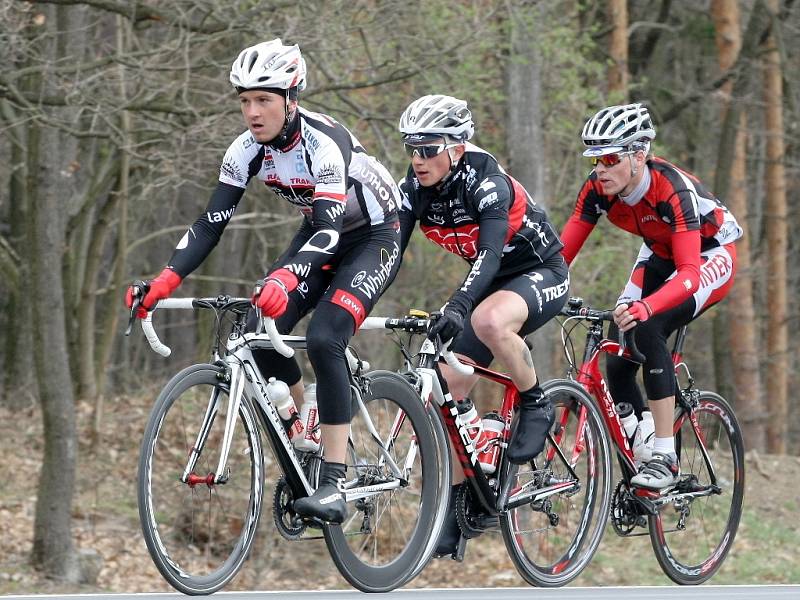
[[451, 323]]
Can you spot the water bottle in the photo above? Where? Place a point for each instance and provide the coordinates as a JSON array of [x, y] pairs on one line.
[[310, 419], [644, 438], [492, 431], [628, 419], [278, 393], [469, 416]]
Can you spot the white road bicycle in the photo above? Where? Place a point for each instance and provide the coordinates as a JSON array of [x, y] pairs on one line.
[[201, 468]]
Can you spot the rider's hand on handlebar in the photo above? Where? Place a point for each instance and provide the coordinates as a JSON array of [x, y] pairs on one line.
[[159, 288], [273, 296], [447, 326], [627, 316]]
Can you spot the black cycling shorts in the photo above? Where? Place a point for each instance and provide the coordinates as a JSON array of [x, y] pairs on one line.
[[544, 289]]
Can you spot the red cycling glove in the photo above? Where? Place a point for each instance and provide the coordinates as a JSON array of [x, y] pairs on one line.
[[274, 296], [159, 288], [640, 310]]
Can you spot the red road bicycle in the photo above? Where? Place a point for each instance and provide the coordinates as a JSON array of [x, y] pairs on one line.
[[693, 525]]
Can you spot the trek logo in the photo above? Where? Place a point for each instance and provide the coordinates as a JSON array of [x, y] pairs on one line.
[[556, 291], [220, 216], [474, 272], [464, 434], [370, 285]]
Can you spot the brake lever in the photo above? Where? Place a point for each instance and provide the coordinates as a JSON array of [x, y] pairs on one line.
[[138, 296]]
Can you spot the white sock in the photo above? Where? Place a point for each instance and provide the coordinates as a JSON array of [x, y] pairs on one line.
[[664, 445]]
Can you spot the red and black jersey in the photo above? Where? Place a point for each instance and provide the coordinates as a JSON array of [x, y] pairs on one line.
[[676, 201], [676, 216], [483, 215]]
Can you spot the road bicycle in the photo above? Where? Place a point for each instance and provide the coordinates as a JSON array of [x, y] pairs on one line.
[[551, 511], [691, 526], [201, 466]]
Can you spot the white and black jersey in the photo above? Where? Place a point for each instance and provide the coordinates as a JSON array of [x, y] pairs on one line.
[[323, 170]]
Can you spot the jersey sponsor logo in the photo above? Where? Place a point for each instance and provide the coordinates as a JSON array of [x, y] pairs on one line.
[[335, 211], [647, 218], [301, 270], [311, 141], [376, 183], [184, 242], [438, 219], [248, 141], [231, 170], [474, 272], [537, 228], [486, 185], [714, 269], [269, 161], [299, 163], [556, 291], [358, 279], [220, 216], [535, 277], [324, 241], [302, 288], [351, 304], [373, 283], [330, 174], [461, 242], [508, 248], [300, 181], [488, 201]]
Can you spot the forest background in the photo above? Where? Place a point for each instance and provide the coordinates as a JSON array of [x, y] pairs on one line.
[[115, 116]]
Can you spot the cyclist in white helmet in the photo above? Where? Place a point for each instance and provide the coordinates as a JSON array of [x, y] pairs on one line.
[[349, 201], [685, 265], [517, 281]]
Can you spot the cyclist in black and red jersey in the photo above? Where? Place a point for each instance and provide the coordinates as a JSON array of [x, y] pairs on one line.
[[518, 280], [685, 265], [341, 258]]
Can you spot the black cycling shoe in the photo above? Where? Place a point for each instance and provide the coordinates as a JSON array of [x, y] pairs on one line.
[[451, 532], [327, 502], [536, 417]]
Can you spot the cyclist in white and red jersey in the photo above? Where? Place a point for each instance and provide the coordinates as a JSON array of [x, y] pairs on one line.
[[685, 265], [341, 259], [467, 204]]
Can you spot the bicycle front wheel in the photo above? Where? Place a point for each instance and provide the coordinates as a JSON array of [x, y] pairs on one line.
[[387, 533], [199, 532], [551, 539], [693, 534]]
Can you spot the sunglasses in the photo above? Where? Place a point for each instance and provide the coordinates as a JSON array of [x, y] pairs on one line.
[[427, 151], [608, 160]]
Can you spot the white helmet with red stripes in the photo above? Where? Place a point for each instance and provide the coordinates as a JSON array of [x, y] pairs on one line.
[[269, 65]]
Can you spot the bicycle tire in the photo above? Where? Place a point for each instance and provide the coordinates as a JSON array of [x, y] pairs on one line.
[[198, 536], [381, 544], [556, 553], [692, 556]]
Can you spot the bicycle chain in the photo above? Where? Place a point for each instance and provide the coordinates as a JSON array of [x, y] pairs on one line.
[[288, 524]]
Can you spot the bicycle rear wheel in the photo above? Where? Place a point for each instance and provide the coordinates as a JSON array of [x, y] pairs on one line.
[[199, 533], [692, 541], [387, 534], [551, 540]]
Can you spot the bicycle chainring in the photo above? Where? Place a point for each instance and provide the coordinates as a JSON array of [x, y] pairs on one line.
[[289, 525], [472, 520], [625, 515]]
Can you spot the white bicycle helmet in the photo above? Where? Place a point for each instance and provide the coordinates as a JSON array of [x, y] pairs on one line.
[[437, 115], [616, 128], [269, 65]]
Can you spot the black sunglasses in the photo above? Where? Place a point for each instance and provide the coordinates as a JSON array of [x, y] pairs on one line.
[[426, 151]]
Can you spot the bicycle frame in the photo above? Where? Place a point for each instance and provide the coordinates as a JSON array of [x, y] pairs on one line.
[[589, 376], [245, 380]]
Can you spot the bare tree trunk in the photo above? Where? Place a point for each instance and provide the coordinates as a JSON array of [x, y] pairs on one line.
[[776, 233], [618, 49], [740, 319], [526, 147], [53, 550]]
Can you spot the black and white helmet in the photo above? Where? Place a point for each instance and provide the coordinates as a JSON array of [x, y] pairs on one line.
[[269, 65], [438, 115], [616, 128]]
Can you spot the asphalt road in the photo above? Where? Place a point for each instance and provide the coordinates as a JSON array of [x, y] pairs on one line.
[[706, 592]]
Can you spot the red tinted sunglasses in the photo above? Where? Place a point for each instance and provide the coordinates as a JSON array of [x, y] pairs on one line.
[[608, 160]]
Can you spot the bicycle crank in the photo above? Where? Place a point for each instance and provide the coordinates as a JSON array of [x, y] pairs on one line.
[[288, 523]]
